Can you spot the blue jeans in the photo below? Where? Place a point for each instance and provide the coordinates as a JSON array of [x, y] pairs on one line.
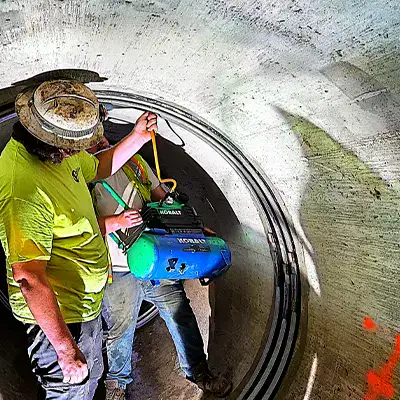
[[88, 336], [121, 305]]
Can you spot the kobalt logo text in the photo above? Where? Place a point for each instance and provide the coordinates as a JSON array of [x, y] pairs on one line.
[[193, 241], [171, 212]]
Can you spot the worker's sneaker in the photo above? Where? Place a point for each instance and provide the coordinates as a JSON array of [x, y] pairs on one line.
[[209, 383], [113, 391]]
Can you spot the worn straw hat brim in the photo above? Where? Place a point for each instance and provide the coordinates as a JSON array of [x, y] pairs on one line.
[[30, 122]]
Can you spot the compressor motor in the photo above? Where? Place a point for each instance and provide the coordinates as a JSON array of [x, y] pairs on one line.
[[172, 243]]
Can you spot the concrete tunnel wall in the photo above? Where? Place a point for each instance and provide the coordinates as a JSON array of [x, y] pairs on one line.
[[310, 92]]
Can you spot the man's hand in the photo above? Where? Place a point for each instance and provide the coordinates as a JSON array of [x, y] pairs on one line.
[[128, 219], [146, 123], [112, 223], [73, 365]]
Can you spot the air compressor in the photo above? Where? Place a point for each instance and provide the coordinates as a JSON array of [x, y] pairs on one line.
[[172, 242]]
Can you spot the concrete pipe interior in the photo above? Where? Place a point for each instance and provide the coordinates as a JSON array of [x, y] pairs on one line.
[[242, 314], [298, 102]]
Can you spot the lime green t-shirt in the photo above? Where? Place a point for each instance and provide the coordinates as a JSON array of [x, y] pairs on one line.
[[46, 213]]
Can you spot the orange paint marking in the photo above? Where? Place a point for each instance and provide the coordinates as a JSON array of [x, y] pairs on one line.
[[380, 381], [369, 324]]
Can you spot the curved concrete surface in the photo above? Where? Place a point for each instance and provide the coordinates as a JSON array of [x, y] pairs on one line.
[[306, 90]]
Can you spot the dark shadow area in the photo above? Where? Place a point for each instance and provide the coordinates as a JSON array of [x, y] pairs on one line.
[[351, 218]]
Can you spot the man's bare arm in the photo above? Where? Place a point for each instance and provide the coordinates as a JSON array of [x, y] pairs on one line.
[[112, 159], [41, 300], [128, 218]]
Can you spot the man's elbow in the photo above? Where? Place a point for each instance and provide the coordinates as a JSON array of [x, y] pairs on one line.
[[28, 277]]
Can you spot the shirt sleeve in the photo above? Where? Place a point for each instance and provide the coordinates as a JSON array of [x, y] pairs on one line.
[[26, 230], [152, 177], [89, 165]]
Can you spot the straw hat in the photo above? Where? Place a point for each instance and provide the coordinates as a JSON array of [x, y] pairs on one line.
[[62, 113]]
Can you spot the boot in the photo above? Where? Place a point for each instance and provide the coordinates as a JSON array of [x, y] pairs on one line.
[[209, 383], [113, 391]]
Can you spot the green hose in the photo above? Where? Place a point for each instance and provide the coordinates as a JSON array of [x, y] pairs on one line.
[[114, 194], [121, 202]]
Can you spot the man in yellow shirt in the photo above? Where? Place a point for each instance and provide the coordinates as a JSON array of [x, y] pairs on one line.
[[57, 262]]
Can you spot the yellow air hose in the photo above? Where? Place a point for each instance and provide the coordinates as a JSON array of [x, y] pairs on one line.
[[173, 181]]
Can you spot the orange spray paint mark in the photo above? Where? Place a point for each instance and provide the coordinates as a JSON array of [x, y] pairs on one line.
[[369, 324], [380, 381]]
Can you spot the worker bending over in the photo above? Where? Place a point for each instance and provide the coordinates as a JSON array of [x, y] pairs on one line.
[[57, 263], [136, 184]]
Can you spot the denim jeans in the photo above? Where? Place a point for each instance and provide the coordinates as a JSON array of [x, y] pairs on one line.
[[88, 336], [121, 305]]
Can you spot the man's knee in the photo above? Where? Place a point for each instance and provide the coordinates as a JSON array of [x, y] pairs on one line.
[[178, 312], [120, 327], [120, 306]]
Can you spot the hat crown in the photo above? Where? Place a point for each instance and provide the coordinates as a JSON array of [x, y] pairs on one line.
[[68, 105], [61, 113]]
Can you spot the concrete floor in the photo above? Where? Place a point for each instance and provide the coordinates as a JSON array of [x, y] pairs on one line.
[[309, 91]]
